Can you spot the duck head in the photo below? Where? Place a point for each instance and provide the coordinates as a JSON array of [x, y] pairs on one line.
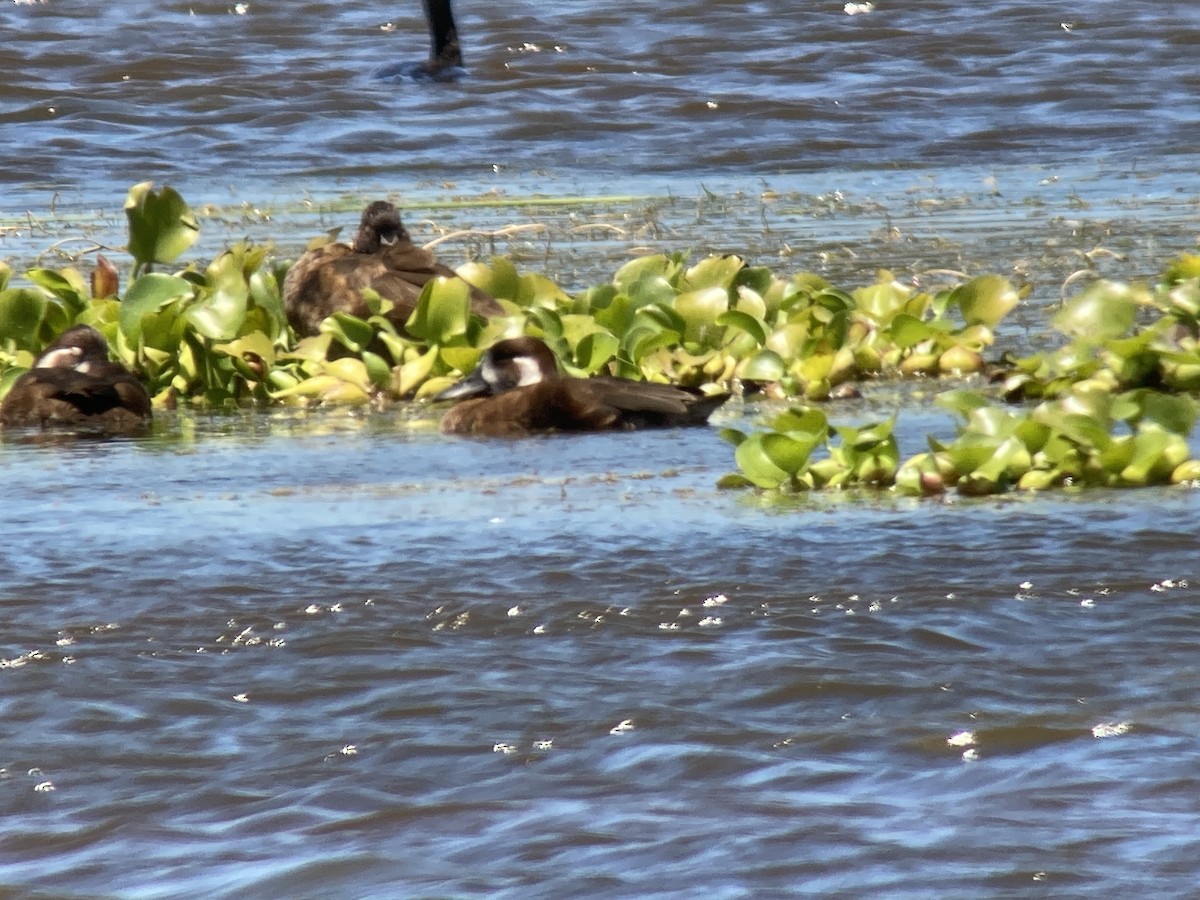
[[505, 366], [81, 348], [380, 227]]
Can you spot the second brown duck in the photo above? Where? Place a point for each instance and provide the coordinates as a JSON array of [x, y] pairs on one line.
[[517, 390], [331, 278]]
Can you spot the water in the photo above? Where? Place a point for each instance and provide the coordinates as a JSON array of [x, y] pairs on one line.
[[280, 92], [338, 654]]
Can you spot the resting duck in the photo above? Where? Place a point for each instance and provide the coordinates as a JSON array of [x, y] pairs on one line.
[[517, 390], [74, 383], [331, 278]]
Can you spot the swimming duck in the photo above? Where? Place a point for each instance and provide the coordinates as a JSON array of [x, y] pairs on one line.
[[517, 390], [331, 278], [74, 383], [445, 57]]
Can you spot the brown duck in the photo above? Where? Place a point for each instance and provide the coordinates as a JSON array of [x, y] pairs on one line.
[[517, 390], [74, 383], [331, 278]]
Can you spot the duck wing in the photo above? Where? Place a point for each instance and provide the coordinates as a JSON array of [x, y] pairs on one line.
[[324, 281], [646, 404], [416, 265]]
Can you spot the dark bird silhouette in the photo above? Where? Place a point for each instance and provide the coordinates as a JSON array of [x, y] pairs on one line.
[[445, 61], [332, 278], [74, 383], [517, 390]]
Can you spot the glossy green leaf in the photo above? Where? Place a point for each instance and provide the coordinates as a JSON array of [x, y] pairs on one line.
[[701, 309], [350, 331], [66, 284], [1174, 412], [538, 290], [219, 312], [377, 368], [986, 300], [908, 331], [412, 373], [743, 321], [255, 344], [732, 436], [161, 225], [806, 419], [713, 271], [1098, 313], [21, 314], [759, 465], [764, 367], [594, 351], [442, 312], [882, 301], [147, 295], [655, 267]]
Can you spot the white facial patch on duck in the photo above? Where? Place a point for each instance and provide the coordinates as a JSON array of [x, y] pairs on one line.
[[62, 358], [531, 372], [527, 372]]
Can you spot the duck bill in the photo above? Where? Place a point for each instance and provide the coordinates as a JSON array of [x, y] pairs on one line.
[[471, 386]]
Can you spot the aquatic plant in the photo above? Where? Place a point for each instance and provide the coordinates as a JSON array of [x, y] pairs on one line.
[[1089, 437], [1120, 337], [1111, 407], [216, 334]]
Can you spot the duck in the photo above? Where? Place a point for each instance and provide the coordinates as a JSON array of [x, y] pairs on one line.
[[517, 390], [331, 278], [74, 383], [445, 61]]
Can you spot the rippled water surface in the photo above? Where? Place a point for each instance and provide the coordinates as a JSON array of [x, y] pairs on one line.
[[342, 653], [338, 654], [259, 89]]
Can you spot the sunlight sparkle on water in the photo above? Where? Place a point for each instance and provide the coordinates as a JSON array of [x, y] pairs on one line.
[[962, 739]]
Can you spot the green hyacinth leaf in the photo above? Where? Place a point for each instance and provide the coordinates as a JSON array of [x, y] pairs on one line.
[[161, 225], [744, 321], [595, 350], [985, 300], [1101, 312], [443, 311], [21, 313], [219, 313], [764, 366], [408, 376], [654, 267], [1174, 412], [350, 331], [65, 284], [757, 464], [713, 271], [146, 296], [700, 310], [907, 331], [253, 344], [806, 419], [732, 436]]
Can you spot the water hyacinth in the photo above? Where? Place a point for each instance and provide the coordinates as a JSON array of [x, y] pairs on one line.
[[216, 334], [1087, 438], [1112, 410]]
